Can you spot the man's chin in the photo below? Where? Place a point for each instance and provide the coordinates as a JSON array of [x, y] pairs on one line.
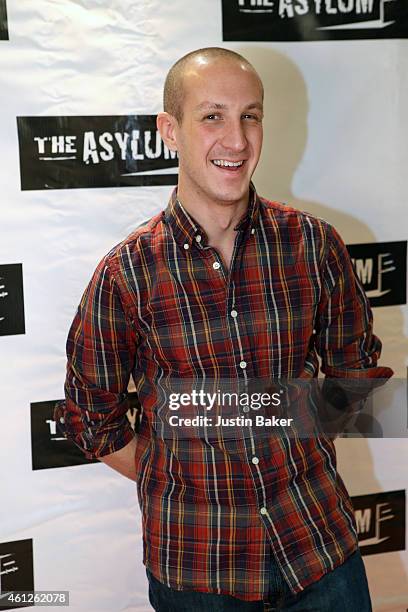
[[231, 196]]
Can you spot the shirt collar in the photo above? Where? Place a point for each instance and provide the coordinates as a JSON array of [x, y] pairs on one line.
[[185, 228]]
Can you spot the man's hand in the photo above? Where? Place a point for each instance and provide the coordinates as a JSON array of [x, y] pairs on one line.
[[123, 461]]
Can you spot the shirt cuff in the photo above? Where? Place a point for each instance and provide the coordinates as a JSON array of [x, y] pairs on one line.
[[94, 443], [358, 373]]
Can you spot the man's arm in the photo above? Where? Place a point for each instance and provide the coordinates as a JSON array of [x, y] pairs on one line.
[[123, 460], [345, 340], [101, 349], [344, 322]]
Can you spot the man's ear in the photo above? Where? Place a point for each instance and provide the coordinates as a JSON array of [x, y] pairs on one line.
[[166, 124]]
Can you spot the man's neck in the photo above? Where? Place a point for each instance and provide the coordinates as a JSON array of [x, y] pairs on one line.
[[217, 220]]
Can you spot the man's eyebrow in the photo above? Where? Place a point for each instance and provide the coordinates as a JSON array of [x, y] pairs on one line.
[[217, 106], [256, 105], [210, 105]]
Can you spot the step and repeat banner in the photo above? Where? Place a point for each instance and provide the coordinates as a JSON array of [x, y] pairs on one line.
[[82, 165]]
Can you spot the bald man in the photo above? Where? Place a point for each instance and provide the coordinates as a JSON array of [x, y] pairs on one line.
[[224, 285]]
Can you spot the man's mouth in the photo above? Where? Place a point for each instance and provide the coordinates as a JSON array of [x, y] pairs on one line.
[[229, 165]]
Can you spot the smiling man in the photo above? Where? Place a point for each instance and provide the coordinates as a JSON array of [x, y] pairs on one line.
[[213, 119], [224, 285]]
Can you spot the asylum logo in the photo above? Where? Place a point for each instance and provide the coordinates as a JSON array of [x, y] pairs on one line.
[[16, 570], [4, 35], [382, 270], [380, 521], [85, 152], [294, 20], [50, 449], [11, 300]]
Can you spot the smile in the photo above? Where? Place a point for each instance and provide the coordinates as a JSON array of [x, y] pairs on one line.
[[227, 164]]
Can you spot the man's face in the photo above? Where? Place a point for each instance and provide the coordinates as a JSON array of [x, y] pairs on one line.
[[219, 138]]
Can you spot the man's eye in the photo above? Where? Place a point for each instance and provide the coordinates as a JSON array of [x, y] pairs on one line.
[[249, 116], [212, 117]]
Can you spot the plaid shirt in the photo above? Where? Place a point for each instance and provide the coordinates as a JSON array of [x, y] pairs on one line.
[[161, 304]]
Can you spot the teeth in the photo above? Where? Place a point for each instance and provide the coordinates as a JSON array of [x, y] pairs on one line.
[[224, 162]]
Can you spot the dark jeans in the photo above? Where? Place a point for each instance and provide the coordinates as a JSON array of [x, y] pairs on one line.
[[345, 589]]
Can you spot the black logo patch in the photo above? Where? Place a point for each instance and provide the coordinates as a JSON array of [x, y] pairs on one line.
[[380, 520], [84, 152], [11, 300], [4, 35], [301, 20], [382, 270], [50, 449], [16, 570]]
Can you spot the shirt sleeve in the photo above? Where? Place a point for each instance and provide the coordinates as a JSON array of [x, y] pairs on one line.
[[344, 324], [101, 349]]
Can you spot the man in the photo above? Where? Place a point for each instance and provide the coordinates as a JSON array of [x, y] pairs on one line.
[[224, 286]]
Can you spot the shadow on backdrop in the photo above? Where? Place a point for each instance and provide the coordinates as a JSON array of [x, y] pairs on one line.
[[285, 140]]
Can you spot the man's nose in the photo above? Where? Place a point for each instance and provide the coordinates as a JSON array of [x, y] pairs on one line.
[[234, 137]]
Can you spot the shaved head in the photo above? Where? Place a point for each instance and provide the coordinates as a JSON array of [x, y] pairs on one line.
[[174, 86]]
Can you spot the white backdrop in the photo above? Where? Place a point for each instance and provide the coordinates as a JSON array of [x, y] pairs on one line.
[[336, 144]]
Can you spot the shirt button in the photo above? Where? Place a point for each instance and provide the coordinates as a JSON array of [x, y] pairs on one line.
[[216, 265], [243, 365], [234, 313], [263, 510], [186, 246], [255, 460], [198, 238], [62, 420], [253, 230]]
